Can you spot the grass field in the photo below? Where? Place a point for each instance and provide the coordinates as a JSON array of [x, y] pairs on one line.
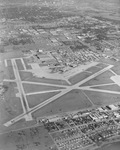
[[100, 98], [11, 106], [36, 88], [28, 76], [74, 100], [93, 70], [104, 78], [28, 139], [10, 70], [36, 99], [79, 77], [116, 68], [19, 64]]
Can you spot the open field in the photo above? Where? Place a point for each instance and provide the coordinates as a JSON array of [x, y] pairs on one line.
[[10, 106], [17, 126], [31, 88], [108, 61], [100, 98], [10, 55], [104, 78], [10, 70], [74, 100], [28, 76], [19, 64], [101, 65], [93, 70], [29, 139], [36, 99], [79, 77], [116, 68]]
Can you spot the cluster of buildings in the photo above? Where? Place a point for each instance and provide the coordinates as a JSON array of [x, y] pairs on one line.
[[95, 34], [63, 60], [72, 46], [71, 139], [86, 128], [16, 37]]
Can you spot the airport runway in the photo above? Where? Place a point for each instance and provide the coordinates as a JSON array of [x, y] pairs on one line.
[[28, 111]]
